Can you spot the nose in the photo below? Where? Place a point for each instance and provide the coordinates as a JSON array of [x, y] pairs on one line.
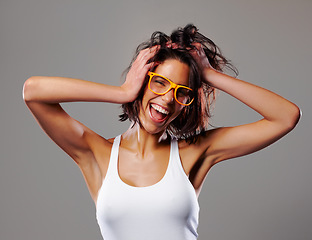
[[169, 96]]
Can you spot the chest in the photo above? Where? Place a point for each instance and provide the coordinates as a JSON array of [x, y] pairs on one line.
[[146, 189], [163, 208], [139, 171]]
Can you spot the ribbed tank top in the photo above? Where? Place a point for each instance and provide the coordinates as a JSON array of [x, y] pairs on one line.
[[166, 210]]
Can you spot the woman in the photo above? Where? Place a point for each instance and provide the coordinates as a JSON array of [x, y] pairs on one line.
[[145, 182]]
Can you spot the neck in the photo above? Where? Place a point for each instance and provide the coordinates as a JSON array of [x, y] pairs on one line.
[[142, 141]]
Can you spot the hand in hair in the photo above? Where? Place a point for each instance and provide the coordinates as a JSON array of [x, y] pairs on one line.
[[200, 57], [137, 73], [196, 50]]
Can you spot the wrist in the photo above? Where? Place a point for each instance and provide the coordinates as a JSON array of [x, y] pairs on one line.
[[126, 93], [209, 75]]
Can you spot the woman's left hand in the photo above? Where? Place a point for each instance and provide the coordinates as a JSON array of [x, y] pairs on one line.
[[197, 53], [202, 61], [200, 57]]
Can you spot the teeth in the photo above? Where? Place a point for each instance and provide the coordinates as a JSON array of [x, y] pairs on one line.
[[159, 109]]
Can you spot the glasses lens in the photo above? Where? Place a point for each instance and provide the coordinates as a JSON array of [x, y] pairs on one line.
[[159, 84], [184, 95]]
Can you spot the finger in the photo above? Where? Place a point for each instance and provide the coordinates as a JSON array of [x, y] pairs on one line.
[[147, 58], [148, 53], [154, 65], [174, 46], [154, 50], [169, 44], [143, 56], [155, 47], [194, 52], [145, 51], [149, 66], [197, 45]]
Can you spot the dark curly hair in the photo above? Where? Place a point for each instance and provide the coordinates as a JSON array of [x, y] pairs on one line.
[[193, 120]]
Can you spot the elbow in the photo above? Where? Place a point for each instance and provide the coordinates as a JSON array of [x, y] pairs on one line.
[[293, 118], [29, 88]]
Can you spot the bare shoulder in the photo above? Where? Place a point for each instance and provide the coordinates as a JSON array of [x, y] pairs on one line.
[[193, 154], [198, 158], [203, 141]]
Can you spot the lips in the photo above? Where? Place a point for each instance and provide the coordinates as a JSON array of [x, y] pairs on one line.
[[158, 113]]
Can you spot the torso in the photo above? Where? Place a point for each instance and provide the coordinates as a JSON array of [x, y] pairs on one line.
[[166, 209], [139, 171]]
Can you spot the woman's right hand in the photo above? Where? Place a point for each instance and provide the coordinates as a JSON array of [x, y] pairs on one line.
[[137, 73]]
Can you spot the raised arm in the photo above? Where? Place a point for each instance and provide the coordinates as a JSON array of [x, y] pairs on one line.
[[279, 116], [43, 95]]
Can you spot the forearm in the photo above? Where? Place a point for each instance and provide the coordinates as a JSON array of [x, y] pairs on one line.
[[270, 105], [60, 89]]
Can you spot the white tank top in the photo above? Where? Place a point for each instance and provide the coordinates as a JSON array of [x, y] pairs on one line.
[[166, 210]]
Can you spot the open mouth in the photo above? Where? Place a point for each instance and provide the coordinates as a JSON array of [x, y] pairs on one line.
[[158, 113]]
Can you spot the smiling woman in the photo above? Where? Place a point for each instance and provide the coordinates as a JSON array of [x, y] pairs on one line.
[[145, 182], [181, 46], [162, 109]]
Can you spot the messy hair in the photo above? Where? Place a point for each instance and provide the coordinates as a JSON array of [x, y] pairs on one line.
[[194, 119]]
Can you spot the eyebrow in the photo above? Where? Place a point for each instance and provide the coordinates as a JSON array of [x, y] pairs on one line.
[[159, 75]]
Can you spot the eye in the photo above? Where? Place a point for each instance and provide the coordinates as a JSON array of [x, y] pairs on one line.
[[183, 92], [160, 81]]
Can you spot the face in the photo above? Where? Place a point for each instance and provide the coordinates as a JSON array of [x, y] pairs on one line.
[[158, 111]]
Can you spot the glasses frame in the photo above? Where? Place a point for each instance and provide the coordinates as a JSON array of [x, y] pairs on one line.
[[172, 86]]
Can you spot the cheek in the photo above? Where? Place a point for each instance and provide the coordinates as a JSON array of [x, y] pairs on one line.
[[178, 110], [146, 97]]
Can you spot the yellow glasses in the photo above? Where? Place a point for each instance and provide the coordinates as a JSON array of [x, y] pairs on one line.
[[160, 85]]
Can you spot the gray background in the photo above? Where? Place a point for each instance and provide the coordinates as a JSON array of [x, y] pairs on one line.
[[266, 195]]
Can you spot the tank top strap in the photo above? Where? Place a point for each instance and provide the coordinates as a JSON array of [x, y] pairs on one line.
[[174, 144], [113, 161], [174, 152]]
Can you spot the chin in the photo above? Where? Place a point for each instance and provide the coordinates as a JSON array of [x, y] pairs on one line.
[[150, 126], [152, 129]]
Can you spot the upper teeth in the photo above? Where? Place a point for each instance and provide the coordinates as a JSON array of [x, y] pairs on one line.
[[160, 109]]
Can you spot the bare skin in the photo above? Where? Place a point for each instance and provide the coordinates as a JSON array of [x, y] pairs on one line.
[[143, 159]]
